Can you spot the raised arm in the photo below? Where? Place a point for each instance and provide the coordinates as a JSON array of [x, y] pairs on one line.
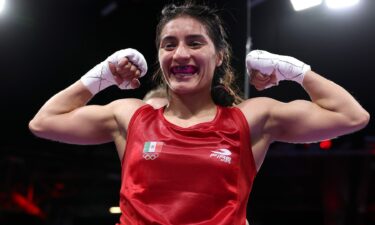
[[65, 117], [331, 112]]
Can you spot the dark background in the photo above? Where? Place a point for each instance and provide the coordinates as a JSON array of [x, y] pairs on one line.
[[47, 45]]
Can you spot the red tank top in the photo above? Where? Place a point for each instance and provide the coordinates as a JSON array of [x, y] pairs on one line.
[[202, 174]]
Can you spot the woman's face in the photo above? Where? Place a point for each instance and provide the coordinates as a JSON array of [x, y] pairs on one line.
[[187, 56]]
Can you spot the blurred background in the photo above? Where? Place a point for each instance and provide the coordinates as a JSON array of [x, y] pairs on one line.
[[47, 45]]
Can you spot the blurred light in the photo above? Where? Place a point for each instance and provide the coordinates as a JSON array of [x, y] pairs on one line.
[[115, 210], [299, 5], [2, 5], [27, 205], [110, 8], [325, 145], [338, 4]]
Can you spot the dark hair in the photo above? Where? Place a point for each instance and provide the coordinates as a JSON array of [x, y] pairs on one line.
[[223, 91]]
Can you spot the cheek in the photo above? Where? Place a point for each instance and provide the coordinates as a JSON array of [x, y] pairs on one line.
[[164, 61], [212, 63], [163, 64], [160, 59]]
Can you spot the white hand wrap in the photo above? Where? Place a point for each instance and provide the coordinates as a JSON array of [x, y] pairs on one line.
[[100, 77], [285, 67]]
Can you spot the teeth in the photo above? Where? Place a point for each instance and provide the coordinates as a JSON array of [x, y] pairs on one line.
[[185, 70], [183, 74]]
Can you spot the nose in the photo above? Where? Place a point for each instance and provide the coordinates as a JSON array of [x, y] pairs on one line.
[[182, 53]]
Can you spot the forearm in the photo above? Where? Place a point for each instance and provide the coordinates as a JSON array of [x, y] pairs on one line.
[[101, 76], [330, 96], [65, 101]]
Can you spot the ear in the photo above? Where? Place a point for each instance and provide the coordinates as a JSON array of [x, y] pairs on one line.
[[219, 59]]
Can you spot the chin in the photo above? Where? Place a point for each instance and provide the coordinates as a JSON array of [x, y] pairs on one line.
[[187, 86], [182, 90], [187, 90]]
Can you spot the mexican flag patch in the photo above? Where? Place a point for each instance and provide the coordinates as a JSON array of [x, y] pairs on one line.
[[151, 149], [153, 146]]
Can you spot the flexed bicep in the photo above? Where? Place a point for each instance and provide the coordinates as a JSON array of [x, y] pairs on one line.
[[66, 117], [331, 111], [303, 121], [85, 125]]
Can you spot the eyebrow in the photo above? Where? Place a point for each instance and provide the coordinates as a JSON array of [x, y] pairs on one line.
[[191, 36]]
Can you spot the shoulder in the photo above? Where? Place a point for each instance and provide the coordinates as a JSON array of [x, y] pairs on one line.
[[124, 109], [128, 104], [260, 105], [258, 111]]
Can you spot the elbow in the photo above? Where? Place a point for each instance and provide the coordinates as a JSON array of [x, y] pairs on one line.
[[366, 119], [361, 120], [33, 126], [36, 127]]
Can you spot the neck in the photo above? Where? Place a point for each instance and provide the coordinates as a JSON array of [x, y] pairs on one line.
[[190, 105]]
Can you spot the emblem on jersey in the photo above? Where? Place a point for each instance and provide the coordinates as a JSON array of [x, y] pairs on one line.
[[151, 149], [222, 154]]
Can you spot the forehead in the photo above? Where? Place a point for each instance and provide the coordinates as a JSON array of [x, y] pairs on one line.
[[183, 25]]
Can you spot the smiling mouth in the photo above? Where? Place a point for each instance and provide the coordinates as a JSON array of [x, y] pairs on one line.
[[187, 70]]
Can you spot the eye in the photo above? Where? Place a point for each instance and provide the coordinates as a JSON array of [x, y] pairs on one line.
[[168, 46], [195, 44]]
